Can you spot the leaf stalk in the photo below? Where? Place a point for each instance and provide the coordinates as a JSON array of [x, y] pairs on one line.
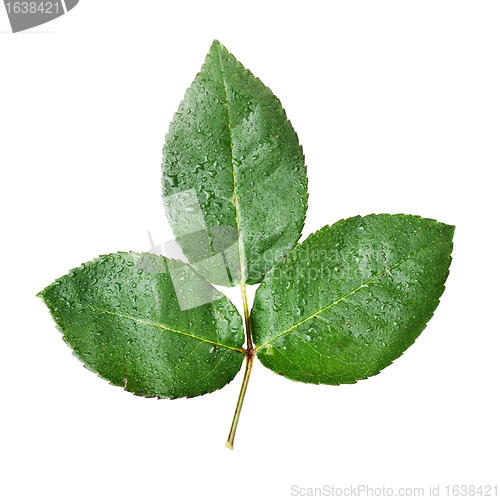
[[249, 356], [248, 369]]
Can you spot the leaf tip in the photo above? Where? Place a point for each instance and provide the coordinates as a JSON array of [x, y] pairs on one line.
[[219, 49], [216, 45]]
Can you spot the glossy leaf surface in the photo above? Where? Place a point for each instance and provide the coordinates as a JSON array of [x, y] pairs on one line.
[[234, 179], [133, 319], [352, 298]]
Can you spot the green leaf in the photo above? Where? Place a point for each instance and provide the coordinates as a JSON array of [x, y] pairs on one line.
[[134, 320], [335, 309], [352, 298], [234, 179]]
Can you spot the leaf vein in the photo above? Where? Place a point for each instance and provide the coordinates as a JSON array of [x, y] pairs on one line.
[[163, 327], [341, 299]]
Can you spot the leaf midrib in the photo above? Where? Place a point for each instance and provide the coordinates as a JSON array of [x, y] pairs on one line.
[[235, 195], [163, 327]]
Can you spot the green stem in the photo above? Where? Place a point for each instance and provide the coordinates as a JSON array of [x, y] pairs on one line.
[[248, 369], [246, 378]]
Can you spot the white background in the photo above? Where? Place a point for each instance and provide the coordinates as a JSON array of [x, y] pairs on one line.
[[397, 106]]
